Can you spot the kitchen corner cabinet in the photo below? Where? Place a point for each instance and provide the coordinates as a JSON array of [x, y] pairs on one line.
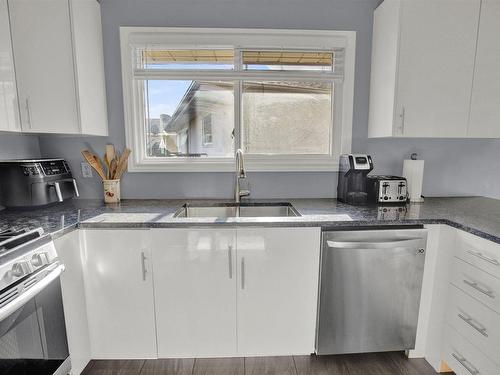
[[244, 291], [58, 61], [119, 293], [9, 108], [423, 57]]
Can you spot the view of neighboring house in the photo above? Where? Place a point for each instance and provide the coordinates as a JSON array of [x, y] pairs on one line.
[[203, 122]]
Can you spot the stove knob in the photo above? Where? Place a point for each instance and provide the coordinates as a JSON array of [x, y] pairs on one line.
[[19, 269], [39, 260]]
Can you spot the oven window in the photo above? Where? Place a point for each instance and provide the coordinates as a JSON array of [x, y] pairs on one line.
[[33, 338]]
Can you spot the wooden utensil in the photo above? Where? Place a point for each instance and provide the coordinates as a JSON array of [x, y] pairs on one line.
[[122, 163], [109, 156], [113, 165], [94, 162]]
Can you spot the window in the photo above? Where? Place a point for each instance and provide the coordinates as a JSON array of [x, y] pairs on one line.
[[207, 130], [194, 96]]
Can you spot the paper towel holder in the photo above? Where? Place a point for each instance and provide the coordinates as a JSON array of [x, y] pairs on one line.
[[413, 171]]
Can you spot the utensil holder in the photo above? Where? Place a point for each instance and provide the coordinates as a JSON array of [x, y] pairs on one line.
[[111, 191]]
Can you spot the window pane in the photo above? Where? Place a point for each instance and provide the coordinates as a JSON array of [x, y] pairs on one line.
[[186, 59], [280, 60], [287, 117], [189, 118]]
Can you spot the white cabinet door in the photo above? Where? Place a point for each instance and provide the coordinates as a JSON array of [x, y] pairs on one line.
[[43, 54], [119, 292], [89, 62], [485, 107], [195, 292], [9, 108], [436, 63], [75, 306], [277, 290]]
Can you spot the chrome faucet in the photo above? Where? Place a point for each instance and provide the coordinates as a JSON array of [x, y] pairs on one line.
[[241, 176]]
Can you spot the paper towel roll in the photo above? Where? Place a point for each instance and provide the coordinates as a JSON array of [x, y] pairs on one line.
[[413, 171]]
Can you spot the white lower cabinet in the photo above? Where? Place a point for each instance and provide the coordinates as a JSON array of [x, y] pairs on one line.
[[195, 292], [75, 306], [119, 293], [227, 292], [277, 290], [464, 358]]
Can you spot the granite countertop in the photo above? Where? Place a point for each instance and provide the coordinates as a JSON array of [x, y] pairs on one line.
[[477, 215]]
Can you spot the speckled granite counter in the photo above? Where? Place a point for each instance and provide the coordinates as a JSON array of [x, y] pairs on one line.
[[477, 215]]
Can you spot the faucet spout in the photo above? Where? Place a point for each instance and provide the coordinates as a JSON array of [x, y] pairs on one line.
[[240, 177]]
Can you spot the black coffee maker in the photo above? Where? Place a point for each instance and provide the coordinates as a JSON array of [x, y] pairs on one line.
[[353, 169]]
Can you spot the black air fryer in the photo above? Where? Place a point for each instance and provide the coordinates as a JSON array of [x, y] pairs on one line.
[[352, 187]]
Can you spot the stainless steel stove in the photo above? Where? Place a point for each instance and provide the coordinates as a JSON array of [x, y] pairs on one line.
[[32, 327]]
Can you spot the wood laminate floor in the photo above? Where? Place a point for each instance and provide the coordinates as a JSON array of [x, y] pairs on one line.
[[354, 364]]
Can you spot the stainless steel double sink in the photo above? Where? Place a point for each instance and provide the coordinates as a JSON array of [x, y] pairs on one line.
[[225, 210]]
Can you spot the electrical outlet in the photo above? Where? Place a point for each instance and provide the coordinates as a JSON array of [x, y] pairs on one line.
[[86, 170]]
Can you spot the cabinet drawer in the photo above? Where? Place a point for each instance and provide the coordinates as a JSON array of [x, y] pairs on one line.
[[478, 284], [479, 252], [475, 321], [464, 358]]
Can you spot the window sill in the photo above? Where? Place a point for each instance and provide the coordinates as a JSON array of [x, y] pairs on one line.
[[252, 164]]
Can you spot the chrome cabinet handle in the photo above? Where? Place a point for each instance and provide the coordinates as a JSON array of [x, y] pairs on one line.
[[403, 115], [476, 286], [77, 193], [230, 260], [484, 257], [28, 112], [477, 326], [242, 273], [143, 265], [469, 367]]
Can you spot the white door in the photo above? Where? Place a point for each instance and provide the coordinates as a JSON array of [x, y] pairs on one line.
[[43, 54], [9, 108], [277, 290], [485, 107], [119, 292], [437, 48], [195, 292]]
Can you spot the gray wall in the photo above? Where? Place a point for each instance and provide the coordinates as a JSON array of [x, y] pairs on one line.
[[453, 167], [16, 146]]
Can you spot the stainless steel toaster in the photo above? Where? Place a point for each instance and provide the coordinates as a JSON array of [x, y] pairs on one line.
[[35, 182], [387, 189]]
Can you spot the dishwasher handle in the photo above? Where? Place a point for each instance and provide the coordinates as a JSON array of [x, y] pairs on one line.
[[405, 242]]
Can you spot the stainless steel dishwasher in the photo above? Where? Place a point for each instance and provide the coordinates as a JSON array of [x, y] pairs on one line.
[[370, 288]]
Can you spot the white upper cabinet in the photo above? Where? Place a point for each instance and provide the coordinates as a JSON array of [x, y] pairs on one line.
[[485, 107], [422, 67], [9, 108], [278, 271], [58, 59]]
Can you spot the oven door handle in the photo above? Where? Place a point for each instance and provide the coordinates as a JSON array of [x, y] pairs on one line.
[[20, 301]]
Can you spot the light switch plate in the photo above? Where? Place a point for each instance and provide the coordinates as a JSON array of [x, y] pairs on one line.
[[86, 169]]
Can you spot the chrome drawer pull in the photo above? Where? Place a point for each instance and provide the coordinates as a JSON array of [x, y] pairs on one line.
[[476, 286], [484, 257], [466, 364], [230, 260], [477, 326]]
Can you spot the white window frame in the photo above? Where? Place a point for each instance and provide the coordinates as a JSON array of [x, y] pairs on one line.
[[342, 105]]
